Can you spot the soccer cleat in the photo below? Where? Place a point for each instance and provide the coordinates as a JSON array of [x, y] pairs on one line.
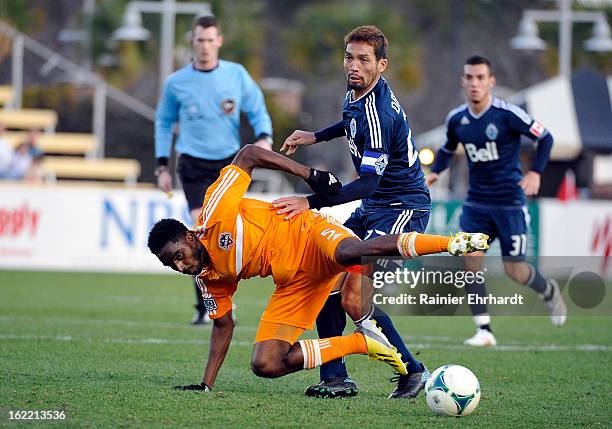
[[556, 305], [482, 338], [379, 347], [463, 243], [337, 387], [409, 386]]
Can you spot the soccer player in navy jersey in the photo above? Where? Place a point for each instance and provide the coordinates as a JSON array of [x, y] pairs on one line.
[[391, 186], [490, 130]]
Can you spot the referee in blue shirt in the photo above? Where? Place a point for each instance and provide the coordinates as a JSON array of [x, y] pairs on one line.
[[205, 98]]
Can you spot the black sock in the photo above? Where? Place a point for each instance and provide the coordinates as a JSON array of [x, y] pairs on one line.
[[537, 282], [384, 322], [479, 289], [486, 327], [331, 323]]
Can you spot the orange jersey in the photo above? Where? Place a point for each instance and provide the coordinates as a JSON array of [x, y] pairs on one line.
[[246, 238]]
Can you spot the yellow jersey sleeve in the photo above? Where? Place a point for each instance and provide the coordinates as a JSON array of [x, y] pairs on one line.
[[223, 196]]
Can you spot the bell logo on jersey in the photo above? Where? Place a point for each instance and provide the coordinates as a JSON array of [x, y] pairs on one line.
[[485, 154], [225, 241]]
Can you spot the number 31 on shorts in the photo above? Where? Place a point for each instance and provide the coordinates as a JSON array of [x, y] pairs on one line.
[[519, 244]]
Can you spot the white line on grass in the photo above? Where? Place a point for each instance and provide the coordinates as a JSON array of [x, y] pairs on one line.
[[163, 341], [78, 321]]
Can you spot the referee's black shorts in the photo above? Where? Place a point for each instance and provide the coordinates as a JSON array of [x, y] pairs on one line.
[[197, 175]]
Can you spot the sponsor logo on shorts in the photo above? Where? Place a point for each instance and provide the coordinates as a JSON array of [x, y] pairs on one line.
[[210, 304]]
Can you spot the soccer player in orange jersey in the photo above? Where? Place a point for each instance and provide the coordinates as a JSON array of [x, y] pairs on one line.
[[237, 238]]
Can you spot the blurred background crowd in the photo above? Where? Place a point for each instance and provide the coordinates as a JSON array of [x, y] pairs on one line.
[[81, 78]]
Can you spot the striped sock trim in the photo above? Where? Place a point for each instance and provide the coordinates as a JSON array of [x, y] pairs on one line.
[[532, 275], [311, 349], [406, 244]]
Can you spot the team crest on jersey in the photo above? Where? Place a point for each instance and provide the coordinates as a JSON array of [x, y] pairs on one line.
[[381, 163], [228, 106], [491, 132], [353, 126], [225, 241]]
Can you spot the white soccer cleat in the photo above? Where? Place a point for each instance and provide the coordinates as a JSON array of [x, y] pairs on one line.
[[482, 338], [556, 305], [468, 242]]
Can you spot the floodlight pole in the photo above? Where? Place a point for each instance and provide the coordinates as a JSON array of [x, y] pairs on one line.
[[168, 9], [566, 17], [565, 38]]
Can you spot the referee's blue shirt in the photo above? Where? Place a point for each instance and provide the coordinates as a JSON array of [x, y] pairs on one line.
[[207, 106]]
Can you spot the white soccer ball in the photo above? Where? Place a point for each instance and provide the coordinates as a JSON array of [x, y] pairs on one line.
[[452, 390]]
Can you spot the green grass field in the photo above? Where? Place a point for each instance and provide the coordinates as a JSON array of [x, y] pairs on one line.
[[108, 348]]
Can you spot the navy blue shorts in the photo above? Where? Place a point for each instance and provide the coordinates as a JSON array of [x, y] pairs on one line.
[[510, 225], [370, 223]]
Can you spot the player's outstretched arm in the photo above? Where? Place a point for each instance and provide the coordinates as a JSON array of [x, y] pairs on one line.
[[304, 138], [220, 338], [296, 139], [320, 181]]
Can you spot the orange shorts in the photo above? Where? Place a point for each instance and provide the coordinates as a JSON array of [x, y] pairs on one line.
[[297, 303]]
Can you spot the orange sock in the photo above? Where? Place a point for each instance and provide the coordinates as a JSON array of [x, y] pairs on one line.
[[318, 352], [413, 244]]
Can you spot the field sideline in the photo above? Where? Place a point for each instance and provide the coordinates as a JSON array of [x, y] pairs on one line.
[[108, 348]]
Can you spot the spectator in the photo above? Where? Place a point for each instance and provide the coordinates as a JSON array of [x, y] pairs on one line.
[[26, 160]]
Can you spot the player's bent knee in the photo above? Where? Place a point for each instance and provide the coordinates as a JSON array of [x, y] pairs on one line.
[[266, 368]]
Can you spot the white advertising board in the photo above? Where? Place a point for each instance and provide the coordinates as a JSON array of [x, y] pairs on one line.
[[581, 229], [87, 228]]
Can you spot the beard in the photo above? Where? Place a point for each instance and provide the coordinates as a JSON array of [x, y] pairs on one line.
[[355, 86]]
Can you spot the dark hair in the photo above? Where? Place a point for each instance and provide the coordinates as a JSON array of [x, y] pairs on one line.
[[205, 21], [371, 35], [475, 60], [164, 231]]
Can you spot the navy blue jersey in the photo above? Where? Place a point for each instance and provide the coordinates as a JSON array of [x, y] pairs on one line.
[[380, 142], [492, 146]]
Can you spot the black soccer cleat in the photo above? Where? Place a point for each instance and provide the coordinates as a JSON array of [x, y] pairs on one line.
[[409, 386], [337, 387]]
